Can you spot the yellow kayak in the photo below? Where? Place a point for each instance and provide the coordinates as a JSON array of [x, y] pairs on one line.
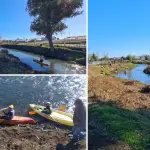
[[56, 115]]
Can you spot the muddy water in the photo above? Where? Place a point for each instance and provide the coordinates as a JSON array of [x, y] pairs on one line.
[[136, 74], [22, 91]]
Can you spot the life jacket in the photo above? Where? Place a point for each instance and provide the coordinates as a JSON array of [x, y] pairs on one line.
[[11, 113], [48, 109]]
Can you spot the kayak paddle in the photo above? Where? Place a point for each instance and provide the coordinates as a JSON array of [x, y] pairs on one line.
[[3, 109], [32, 112], [62, 108]]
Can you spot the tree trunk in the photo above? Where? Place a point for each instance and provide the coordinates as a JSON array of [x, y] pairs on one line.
[[50, 40]]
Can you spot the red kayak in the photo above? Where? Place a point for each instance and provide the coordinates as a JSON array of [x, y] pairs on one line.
[[18, 120]]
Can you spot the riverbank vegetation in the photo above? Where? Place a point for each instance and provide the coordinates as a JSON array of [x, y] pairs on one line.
[[62, 54], [141, 62], [119, 116], [110, 68], [129, 58], [71, 47]]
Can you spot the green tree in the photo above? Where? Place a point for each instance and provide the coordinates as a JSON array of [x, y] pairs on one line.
[[105, 58], [50, 14], [146, 57], [129, 57], [33, 40], [133, 57], [94, 57]]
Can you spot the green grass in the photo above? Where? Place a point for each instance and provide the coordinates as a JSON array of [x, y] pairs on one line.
[[130, 127], [81, 60], [107, 70], [43, 45], [141, 62]]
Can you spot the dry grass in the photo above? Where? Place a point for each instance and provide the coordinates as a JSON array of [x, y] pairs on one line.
[[109, 69], [126, 93]]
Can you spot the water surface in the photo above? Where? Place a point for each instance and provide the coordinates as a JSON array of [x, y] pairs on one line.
[[55, 66], [59, 90], [136, 74]]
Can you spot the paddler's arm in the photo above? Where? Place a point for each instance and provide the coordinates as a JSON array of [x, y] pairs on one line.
[[5, 112]]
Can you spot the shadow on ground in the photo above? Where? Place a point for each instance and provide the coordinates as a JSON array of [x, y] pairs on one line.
[[114, 128]]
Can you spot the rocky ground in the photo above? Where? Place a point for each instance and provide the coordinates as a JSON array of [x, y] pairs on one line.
[[10, 64], [147, 70], [29, 137]]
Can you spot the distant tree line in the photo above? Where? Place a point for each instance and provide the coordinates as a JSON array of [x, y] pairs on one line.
[[130, 58]]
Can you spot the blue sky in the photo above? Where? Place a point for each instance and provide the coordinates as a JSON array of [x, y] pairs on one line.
[[15, 21], [119, 27]]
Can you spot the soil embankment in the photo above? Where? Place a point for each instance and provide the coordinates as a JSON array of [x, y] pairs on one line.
[[128, 94], [119, 110], [30, 138], [10, 64]]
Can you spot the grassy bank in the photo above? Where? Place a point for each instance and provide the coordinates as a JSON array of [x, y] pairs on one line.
[[60, 52], [110, 69], [141, 62], [119, 113], [112, 127]]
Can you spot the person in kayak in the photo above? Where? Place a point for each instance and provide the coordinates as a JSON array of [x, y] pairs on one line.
[[79, 119], [10, 114], [41, 59], [47, 109]]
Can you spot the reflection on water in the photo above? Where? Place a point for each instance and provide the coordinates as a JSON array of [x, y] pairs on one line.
[[136, 74], [55, 66], [59, 90]]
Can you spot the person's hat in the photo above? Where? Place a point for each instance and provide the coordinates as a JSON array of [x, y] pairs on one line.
[[48, 103], [11, 106]]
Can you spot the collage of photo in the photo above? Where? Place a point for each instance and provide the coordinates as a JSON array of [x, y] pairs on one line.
[[43, 82], [74, 75]]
